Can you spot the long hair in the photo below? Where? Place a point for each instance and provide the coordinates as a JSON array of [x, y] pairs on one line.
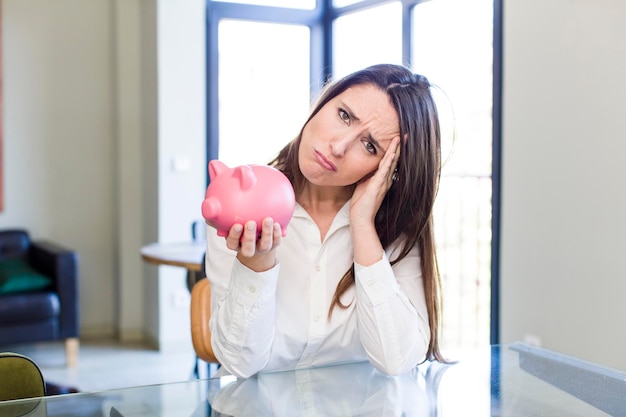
[[406, 213]]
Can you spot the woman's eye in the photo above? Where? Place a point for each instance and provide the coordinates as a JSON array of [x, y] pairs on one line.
[[370, 147], [343, 115]]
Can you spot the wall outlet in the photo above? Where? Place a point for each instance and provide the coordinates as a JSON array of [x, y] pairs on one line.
[[532, 339], [181, 298]]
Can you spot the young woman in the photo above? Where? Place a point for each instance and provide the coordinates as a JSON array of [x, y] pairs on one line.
[[356, 277]]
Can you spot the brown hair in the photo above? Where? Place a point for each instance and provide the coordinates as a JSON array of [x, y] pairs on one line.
[[406, 211]]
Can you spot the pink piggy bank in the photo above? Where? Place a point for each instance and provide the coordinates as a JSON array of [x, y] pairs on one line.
[[247, 192]]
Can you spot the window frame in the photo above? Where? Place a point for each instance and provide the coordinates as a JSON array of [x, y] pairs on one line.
[[320, 22]]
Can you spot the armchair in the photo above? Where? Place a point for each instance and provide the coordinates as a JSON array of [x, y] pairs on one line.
[[38, 292]]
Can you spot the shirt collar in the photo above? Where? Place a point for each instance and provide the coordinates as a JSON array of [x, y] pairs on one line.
[[341, 219]]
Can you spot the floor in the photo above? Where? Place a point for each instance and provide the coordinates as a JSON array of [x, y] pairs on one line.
[[108, 364]]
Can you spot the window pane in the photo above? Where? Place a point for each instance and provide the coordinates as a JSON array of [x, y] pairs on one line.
[[452, 41], [343, 3], [367, 37], [293, 4], [263, 88], [453, 47]]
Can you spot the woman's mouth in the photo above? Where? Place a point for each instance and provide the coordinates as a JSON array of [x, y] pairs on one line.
[[323, 161]]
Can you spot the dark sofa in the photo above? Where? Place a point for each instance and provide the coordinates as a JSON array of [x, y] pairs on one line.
[[38, 292]]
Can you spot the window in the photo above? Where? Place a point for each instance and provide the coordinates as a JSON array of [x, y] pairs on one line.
[[367, 37], [263, 88], [265, 63], [300, 4], [343, 3], [452, 46]]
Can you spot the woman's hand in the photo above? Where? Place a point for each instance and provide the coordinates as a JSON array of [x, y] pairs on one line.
[[255, 250], [370, 192]]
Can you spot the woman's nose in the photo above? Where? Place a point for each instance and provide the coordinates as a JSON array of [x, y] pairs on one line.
[[339, 145]]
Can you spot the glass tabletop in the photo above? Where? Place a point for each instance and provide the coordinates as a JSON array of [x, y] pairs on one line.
[[509, 380]]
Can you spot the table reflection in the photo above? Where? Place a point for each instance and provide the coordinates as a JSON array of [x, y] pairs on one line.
[[349, 390], [505, 381]]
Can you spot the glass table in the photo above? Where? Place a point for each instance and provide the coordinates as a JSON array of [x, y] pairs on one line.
[[508, 380]]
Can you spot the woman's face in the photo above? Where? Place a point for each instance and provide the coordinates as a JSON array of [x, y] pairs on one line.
[[347, 138]]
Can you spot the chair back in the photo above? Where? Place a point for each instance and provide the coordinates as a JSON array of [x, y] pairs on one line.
[[14, 243], [20, 378], [200, 315]]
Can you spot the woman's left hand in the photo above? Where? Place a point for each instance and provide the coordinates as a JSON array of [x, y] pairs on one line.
[[370, 191]]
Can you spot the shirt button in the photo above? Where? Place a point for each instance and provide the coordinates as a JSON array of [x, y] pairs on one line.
[[317, 268], [252, 289]]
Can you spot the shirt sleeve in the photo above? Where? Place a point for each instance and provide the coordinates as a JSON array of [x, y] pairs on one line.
[[392, 314], [242, 310]]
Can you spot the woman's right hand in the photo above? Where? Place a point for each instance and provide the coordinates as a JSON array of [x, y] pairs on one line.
[[255, 250]]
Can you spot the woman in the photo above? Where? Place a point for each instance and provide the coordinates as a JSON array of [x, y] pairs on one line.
[[356, 277]]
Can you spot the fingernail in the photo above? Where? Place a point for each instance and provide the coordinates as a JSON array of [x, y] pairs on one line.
[[251, 226], [238, 228], [268, 222]]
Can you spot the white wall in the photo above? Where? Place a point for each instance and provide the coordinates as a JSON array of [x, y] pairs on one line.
[[59, 159], [563, 263], [91, 127], [182, 139]]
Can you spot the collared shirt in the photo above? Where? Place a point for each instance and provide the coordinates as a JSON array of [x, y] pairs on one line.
[[278, 319]]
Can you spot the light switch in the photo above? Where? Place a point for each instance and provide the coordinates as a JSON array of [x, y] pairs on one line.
[[181, 164]]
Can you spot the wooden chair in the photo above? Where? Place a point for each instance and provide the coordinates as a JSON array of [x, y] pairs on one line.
[[200, 315]]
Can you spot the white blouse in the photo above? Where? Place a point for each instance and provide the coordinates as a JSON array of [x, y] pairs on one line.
[[278, 319]]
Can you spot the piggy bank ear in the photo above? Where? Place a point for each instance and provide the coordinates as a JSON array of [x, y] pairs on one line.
[[216, 168], [246, 177]]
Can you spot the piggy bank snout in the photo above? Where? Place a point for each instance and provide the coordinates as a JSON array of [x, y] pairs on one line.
[[211, 208]]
